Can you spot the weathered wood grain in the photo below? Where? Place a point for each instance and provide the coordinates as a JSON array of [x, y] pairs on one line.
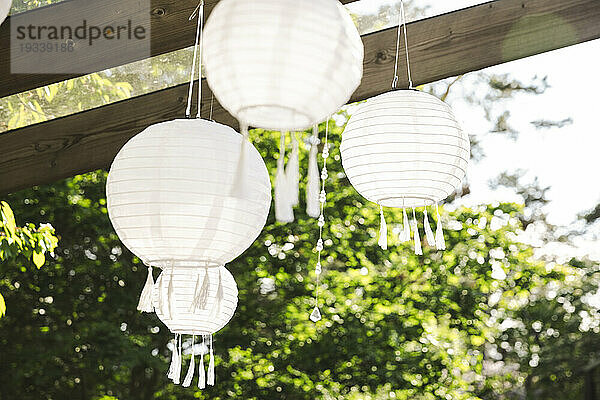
[[443, 46]]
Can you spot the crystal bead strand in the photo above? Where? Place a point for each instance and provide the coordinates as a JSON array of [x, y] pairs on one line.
[[315, 316]]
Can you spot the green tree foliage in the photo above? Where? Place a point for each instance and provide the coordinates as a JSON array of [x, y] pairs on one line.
[[395, 325], [22, 246]]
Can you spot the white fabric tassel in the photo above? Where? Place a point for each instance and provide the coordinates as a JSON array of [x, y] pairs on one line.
[[201, 298], [218, 299], [201, 370], [145, 303], [161, 300], [176, 373], [292, 173], [240, 189], [428, 232], [383, 239], [313, 187], [170, 293], [405, 234], [418, 249], [210, 379], [284, 211], [439, 235], [171, 373], [190, 374]]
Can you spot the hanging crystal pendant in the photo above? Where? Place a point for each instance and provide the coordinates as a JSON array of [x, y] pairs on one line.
[[315, 316], [319, 245], [321, 222], [323, 196], [318, 268]]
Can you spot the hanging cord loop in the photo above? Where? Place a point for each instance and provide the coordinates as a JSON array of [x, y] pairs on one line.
[[199, 11], [402, 24]]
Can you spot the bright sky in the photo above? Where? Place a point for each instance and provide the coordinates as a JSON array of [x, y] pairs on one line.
[[566, 159]]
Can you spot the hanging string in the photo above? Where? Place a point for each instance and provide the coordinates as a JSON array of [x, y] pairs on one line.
[[212, 101], [197, 48], [200, 52], [315, 316], [402, 24]]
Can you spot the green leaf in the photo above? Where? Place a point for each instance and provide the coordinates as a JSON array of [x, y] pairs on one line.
[[2, 306], [38, 259], [8, 219]]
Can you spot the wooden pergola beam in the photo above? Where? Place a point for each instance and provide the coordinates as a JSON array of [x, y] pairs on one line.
[[442, 46], [169, 26]]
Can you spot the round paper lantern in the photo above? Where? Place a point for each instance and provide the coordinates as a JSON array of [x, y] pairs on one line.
[[404, 149], [282, 64], [195, 301], [171, 194], [4, 9]]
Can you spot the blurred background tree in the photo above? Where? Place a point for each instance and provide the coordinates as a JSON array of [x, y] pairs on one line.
[[483, 319]]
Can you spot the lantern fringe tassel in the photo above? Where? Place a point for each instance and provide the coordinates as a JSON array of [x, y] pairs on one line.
[[201, 297], [383, 239], [190, 374], [219, 298], [210, 377], [313, 207], [240, 186], [171, 372], [284, 211], [292, 173], [428, 231], [201, 370], [405, 233], [206, 377], [170, 293], [145, 303], [175, 367], [439, 235], [418, 248]]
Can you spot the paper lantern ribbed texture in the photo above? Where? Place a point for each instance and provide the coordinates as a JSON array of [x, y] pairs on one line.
[[4, 9], [404, 149], [282, 64], [169, 194], [185, 284]]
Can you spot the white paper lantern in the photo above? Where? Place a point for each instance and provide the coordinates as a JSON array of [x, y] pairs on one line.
[[176, 290], [404, 149], [197, 302], [169, 194], [282, 64], [4, 9]]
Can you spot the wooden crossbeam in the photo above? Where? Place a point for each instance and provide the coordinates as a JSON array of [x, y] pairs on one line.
[[442, 46], [170, 30]]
